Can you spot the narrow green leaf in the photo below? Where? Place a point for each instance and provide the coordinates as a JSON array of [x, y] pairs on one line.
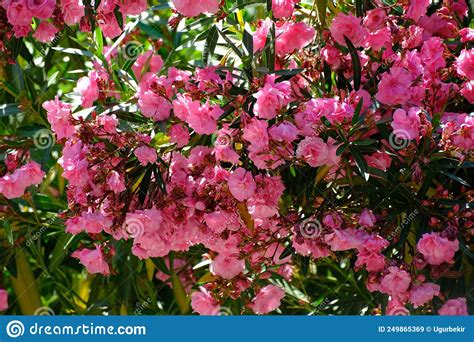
[[357, 110], [210, 45], [355, 64], [360, 162]]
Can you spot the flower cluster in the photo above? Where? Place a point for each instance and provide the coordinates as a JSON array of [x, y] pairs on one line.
[[214, 156], [50, 16]]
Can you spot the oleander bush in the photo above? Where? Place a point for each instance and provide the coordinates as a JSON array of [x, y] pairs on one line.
[[237, 157]]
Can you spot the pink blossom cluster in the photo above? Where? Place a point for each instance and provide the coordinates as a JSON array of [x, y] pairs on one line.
[[218, 179], [14, 183], [52, 15]]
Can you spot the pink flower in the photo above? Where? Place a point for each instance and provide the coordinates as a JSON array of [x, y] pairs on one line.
[[375, 19], [74, 164], [350, 26], [331, 56], [179, 135], [432, 54], [417, 9], [3, 300], [465, 64], [88, 87], [132, 7], [202, 118], [14, 185], [379, 160], [374, 261], [284, 132], [283, 8], [227, 266], [468, 91], [73, 11], [264, 202], [256, 133], [146, 155], [394, 86], [203, 303], [260, 35], [192, 8], [109, 25], [318, 153], [93, 260], [145, 61], [395, 282], [467, 34], [154, 106], [378, 39], [423, 293], [271, 98], [268, 299], [406, 125], [32, 173], [42, 9], [293, 36], [18, 13], [115, 182], [59, 114], [395, 308], [241, 184], [108, 122], [454, 307], [367, 219], [45, 32], [436, 249]]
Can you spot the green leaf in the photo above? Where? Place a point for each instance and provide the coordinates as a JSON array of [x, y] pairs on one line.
[[455, 178], [99, 40], [355, 64], [360, 162], [231, 44], [357, 110], [289, 250], [161, 265], [364, 142], [210, 45], [9, 109], [247, 40]]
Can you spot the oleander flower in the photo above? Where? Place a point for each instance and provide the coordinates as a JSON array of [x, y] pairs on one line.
[[454, 307], [436, 249], [191, 8], [347, 25], [203, 303], [406, 125], [268, 299], [93, 260]]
